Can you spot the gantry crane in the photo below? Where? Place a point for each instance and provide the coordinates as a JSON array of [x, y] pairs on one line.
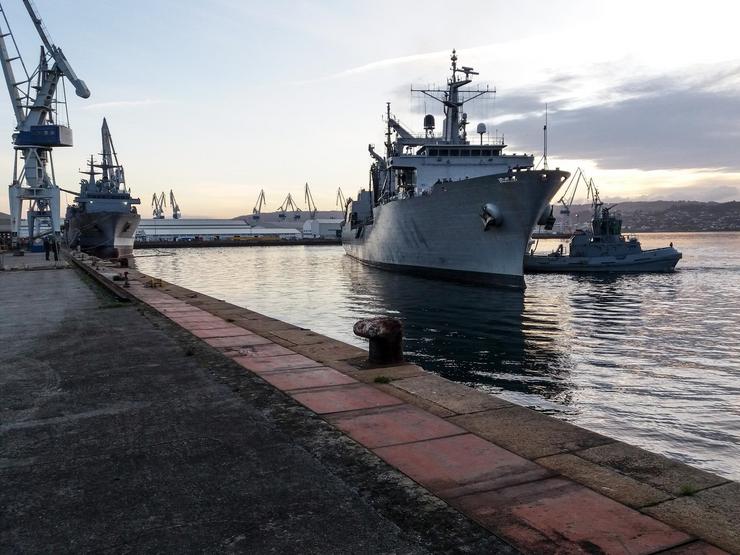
[[159, 203], [175, 208], [258, 205], [310, 203], [35, 101], [289, 204]]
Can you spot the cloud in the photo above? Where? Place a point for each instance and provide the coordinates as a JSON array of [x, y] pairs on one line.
[[114, 104], [652, 123]]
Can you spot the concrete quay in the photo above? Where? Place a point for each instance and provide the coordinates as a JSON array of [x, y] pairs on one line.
[[122, 432], [417, 446], [30, 261]]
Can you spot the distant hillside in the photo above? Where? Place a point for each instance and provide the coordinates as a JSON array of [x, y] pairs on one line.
[[666, 215], [659, 215]]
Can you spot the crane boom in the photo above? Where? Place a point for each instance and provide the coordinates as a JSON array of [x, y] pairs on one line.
[[341, 201], [61, 60], [7, 59], [175, 207], [258, 206], [310, 202]]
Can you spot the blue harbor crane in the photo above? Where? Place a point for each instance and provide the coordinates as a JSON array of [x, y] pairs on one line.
[[35, 99]]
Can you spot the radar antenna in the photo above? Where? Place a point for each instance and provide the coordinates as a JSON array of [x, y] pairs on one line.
[[544, 152], [453, 98]]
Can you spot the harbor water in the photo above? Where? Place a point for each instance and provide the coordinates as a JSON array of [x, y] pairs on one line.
[[651, 359]]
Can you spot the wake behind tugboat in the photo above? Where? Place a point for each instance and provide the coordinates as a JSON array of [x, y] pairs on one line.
[[442, 207], [103, 219]]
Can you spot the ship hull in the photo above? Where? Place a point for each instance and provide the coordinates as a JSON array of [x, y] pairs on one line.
[[101, 234], [655, 260], [442, 235]]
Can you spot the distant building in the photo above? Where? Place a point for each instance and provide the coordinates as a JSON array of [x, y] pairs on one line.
[[207, 230], [322, 229]]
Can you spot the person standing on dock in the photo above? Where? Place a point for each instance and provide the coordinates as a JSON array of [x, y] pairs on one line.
[[47, 247], [54, 249]]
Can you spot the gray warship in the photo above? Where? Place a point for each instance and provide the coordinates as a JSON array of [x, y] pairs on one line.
[[603, 248], [443, 207], [103, 219]]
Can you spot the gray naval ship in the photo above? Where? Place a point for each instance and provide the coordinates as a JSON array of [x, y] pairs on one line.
[[603, 248], [443, 207], [103, 219]]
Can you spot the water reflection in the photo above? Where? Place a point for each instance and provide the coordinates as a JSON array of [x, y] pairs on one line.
[[467, 334], [652, 359]]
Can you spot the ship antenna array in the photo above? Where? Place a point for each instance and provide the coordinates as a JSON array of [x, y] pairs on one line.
[[544, 152], [453, 98], [37, 130]]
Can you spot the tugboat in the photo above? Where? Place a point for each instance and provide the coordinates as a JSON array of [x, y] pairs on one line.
[[103, 219], [443, 207], [603, 248]]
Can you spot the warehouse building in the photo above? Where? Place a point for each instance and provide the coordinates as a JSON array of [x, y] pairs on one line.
[[208, 230], [330, 228]]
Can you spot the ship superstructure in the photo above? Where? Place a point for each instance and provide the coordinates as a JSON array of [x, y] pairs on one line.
[[443, 206], [103, 219]]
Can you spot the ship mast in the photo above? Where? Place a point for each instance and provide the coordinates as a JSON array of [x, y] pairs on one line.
[[453, 99], [37, 131]]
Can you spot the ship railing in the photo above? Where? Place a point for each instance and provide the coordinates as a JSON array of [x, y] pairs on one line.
[[496, 140]]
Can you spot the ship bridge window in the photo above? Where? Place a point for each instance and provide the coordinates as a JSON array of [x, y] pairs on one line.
[[444, 152], [486, 152], [465, 152], [432, 152], [475, 152], [454, 152]]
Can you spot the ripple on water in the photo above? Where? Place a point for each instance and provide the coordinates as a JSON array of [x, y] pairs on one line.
[[651, 359]]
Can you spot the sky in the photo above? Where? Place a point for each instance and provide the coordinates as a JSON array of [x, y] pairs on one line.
[[217, 100]]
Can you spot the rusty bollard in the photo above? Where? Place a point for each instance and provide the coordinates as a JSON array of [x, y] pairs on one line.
[[386, 338]]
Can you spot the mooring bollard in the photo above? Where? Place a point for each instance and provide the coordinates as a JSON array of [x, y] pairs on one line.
[[386, 338]]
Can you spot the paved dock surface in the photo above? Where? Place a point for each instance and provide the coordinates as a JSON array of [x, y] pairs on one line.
[[205, 393], [30, 261], [121, 432]]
